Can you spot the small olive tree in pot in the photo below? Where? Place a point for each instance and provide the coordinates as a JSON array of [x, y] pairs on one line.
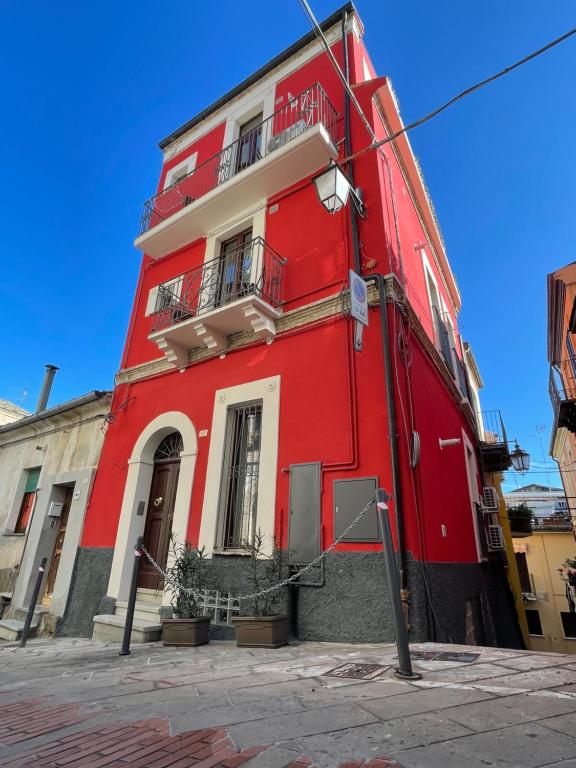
[[265, 626], [187, 571]]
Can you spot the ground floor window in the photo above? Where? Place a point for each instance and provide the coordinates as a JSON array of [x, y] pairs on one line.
[[240, 472], [569, 624], [27, 503], [534, 623]]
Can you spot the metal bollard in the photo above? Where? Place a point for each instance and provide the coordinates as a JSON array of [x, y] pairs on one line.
[[30, 615], [132, 598], [404, 669]]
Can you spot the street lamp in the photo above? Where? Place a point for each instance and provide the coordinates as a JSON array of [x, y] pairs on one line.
[[520, 459], [333, 188]]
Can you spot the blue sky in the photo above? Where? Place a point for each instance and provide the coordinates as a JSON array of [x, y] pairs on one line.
[[89, 89]]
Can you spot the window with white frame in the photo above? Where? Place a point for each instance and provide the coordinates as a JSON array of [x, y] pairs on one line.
[[240, 473], [180, 171], [240, 490], [164, 296]]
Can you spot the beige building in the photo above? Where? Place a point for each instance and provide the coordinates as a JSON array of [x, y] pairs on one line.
[[547, 596], [47, 464], [10, 412]]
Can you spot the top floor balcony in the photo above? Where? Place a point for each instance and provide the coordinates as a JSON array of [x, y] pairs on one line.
[[493, 449], [562, 389], [291, 144]]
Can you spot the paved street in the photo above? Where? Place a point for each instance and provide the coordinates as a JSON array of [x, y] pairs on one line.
[[77, 703]]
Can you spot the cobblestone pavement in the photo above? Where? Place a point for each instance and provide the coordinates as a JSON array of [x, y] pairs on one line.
[[75, 703]]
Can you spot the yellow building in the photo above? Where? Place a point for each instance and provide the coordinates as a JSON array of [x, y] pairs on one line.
[[551, 624]]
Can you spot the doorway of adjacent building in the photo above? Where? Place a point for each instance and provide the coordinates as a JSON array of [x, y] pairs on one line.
[[60, 536], [160, 510]]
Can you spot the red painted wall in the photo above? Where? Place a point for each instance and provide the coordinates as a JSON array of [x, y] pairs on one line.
[[332, 402]]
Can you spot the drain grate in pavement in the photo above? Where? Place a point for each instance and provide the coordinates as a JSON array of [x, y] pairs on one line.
[[357, 671], [465, 658], [460, 656]]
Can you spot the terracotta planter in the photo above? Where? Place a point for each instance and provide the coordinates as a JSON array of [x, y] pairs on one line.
[[261, 631], [187, 632]]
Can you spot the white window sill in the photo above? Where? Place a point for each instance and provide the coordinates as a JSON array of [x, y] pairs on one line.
[[242, 552], [12, 533]]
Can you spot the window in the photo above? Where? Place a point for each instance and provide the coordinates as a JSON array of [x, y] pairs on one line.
[[240, 472], [234, 275], [569, 624], [521, 562], [27, 504], [249, 143], [534, 624]]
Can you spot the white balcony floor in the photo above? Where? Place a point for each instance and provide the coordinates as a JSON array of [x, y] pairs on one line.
[[278, 170]]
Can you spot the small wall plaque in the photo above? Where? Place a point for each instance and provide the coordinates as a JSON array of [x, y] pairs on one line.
[[141, 507]]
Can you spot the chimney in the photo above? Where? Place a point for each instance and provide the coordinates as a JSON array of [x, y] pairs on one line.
[[46, 387]]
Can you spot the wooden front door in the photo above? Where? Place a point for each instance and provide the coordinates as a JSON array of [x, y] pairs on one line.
[[62, 523], [159, 522]]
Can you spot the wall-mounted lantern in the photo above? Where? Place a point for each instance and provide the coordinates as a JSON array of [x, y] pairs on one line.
[[333, 188]]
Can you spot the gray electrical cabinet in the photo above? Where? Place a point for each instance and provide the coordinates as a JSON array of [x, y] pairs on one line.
[[304, 518], [350, 498]]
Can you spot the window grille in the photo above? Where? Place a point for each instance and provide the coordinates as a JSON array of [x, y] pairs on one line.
[[170, 447], [220, 606], [240, 472]]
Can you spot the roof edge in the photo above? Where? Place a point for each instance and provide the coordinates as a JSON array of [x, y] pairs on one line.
[[272, 64], [56, 410]]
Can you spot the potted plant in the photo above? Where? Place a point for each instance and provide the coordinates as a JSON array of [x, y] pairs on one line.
[[187, 572], [521, 518], [568, 571], [265, 626]]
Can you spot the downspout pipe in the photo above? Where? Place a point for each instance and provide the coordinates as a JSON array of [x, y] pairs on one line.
[[392, 428], [390, 402], [348, 145]]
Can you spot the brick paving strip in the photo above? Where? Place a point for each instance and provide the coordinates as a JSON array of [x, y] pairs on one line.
[[139, 744]]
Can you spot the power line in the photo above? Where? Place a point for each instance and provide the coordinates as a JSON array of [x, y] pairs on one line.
[[453, 100]]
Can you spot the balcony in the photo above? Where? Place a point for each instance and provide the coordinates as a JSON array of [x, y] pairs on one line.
[[494, 453], [239, 291], [290, 145], [562, 389]]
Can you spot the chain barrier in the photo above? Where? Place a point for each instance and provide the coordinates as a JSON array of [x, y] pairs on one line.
[[200, 595]]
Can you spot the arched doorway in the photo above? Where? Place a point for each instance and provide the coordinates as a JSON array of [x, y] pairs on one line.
[[160, 509]]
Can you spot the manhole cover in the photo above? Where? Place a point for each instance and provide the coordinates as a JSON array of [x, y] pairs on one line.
[[357, 671], [465, 658]]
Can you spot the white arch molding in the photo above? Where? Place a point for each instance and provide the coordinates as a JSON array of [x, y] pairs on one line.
[[137, 489]]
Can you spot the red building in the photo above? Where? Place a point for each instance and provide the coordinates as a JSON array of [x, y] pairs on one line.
[[242, 403]]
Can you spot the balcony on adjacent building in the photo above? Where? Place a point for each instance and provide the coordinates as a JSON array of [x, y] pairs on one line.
[[291, 144], [562, 389], [239, 291], [494, 452]]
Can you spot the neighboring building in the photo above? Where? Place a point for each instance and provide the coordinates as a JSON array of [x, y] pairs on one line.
[[10, 412], [549, 599], [493, 515], [562, 382], [546, 502], [47, 464], [242, 403]]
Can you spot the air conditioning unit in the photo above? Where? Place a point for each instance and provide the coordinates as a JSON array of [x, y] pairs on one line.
[[491, 500], [287, 135], [495, 537]]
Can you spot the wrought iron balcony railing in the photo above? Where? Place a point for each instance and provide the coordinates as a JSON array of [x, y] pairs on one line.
[[493, 448], [253, 269], [562, 389], [310, 108]]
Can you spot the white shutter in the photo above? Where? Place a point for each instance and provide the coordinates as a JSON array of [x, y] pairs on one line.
[[151, 303]]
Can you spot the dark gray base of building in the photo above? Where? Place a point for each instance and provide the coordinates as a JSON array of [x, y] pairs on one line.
[[449, 602], [87, 590]]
